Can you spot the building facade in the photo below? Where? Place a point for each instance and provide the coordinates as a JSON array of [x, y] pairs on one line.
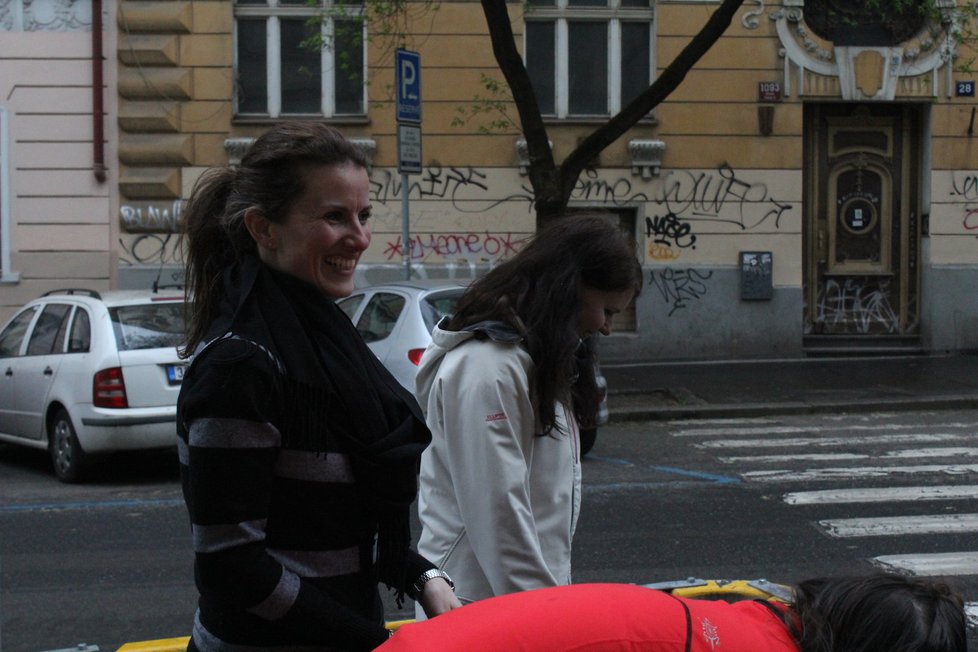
[[809, 188], [58, 176]]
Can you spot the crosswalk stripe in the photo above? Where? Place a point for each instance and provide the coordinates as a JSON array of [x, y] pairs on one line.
[[857, 472], [933, 564], [774, 430], [801, 457], [897, 525], [881, 494], [949, 451], [720, 421], [904, 438], [912, 453]]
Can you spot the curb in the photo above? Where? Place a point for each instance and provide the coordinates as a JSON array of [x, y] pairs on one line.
[[730, 410]]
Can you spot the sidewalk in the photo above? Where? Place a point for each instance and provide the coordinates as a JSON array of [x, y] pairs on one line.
[[741, 388]]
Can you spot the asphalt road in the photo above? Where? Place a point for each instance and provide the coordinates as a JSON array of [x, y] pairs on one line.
[[110, 562]]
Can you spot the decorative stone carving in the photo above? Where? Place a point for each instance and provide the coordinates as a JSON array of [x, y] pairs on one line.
[[236, 148], [749, 19], [47, 15], [646, 156], [523, 153], [369, 147], [814, 67]]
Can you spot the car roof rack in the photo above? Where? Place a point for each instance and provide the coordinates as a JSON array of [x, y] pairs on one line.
[[166, 286], [86, 292]]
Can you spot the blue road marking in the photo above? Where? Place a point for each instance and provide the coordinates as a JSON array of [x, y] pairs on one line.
[[611, 460], [712, 477], [700, 475]]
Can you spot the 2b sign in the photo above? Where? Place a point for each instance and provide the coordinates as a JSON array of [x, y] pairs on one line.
[[407, 79]]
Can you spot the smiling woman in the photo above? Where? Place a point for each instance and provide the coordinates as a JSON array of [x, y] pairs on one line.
[[298, 450]]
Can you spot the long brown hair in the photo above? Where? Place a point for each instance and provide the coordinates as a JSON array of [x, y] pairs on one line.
[[537, 292], [272, 175]]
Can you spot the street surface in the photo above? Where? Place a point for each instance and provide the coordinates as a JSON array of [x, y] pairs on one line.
[[778, 497]]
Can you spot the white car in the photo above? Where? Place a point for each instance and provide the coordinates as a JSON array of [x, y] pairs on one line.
[[396, 319], [83, 374]]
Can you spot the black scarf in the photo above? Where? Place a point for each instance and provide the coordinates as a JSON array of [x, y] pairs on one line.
[[333, 388]]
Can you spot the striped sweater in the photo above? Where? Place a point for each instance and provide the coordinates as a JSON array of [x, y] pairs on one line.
[[283, 541]]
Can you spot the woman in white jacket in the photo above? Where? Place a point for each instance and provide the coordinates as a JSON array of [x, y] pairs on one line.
[[503, 385]]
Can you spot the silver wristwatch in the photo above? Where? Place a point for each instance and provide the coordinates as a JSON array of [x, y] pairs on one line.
[[430, 575]]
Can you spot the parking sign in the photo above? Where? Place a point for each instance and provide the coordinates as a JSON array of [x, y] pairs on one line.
[[407, 79]]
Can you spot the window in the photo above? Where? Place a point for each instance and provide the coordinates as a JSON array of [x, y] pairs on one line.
[[80, 340], [49, 331], [12, 336], [300, 58], [147, 326], [349, 305], [380, 316], [588, 57], [435, 307]]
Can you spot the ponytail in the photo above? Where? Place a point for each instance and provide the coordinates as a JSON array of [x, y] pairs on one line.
[[212, 245]]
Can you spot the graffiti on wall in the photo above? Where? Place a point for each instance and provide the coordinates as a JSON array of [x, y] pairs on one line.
[[721, 197], [458, 185], [149, 217], [676, 203], [679, 286], [151, 249], [966, 187], [668, 233], [686, 198], [471, 247], [856, 305]]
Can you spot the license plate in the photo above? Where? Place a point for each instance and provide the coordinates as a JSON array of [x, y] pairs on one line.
[[174, 373]]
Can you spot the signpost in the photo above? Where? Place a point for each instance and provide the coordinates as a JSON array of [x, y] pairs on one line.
[[407, 82]]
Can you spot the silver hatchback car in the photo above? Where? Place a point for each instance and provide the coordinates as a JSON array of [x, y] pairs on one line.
[[83, 373], [396, 319]]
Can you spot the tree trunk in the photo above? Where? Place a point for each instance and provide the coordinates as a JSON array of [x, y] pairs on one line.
[[552, 186]]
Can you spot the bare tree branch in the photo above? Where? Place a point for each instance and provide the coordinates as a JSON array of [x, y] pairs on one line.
[[651, 97], [552, 186]]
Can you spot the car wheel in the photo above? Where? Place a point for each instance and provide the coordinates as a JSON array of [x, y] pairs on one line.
[[67, 456], [588, 437]]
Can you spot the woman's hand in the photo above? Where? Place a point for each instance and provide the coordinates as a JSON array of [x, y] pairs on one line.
[[437, 597]]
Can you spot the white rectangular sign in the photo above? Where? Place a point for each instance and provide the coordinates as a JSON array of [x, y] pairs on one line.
[[409, 149]]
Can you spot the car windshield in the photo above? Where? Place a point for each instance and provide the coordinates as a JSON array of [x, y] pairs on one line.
[[436, 306], [148, 326]]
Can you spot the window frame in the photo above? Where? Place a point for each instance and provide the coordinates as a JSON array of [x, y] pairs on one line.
[[612, 14], [7, 275], [273, 13]]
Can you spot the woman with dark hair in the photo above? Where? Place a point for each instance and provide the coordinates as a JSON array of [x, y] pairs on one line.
[[881, 613], [298, 451], [500, 385]]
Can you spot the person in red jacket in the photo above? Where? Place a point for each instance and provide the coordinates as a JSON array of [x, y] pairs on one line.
[[856, 614]]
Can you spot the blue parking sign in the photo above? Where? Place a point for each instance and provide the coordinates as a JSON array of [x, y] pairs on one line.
[[407, 79]]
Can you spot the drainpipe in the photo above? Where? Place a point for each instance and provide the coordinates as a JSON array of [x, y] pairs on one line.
[[98, 130]]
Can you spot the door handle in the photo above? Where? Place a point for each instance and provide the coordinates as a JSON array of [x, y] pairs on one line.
[[48, 371]]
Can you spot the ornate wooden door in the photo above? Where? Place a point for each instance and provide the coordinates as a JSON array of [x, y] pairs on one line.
[[862, 224]]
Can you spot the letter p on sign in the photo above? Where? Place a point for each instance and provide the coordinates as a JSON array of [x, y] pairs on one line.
[[407, 72]]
